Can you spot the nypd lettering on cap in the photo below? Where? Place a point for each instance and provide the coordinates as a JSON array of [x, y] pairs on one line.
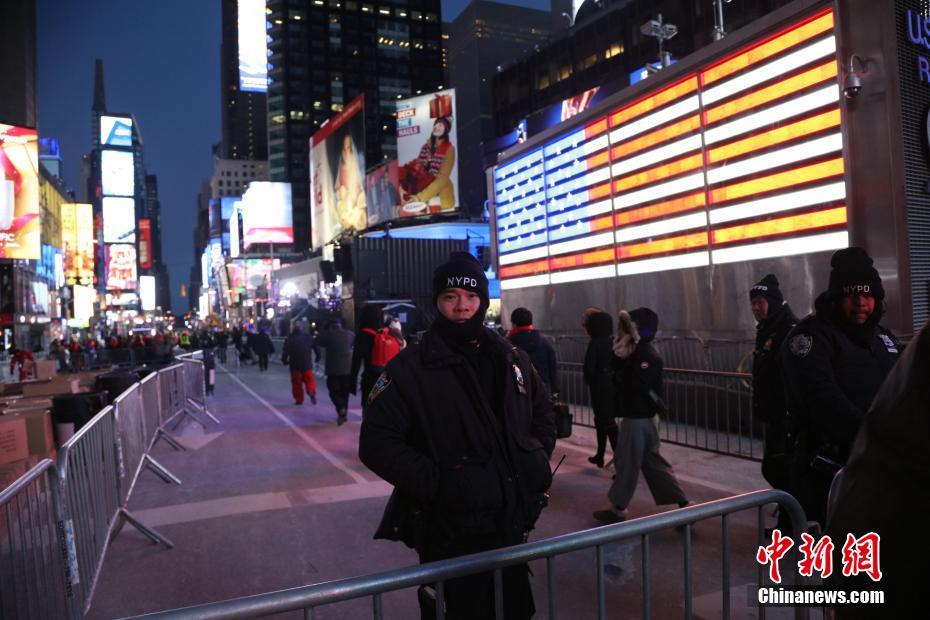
[[853, 289], [760, 287], [801, 345], [461, 282]]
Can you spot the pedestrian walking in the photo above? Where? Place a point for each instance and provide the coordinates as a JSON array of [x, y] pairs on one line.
[[261, 345], [834, 362], [599, 377], [298, 353], [462, 426], [774, 319], [337, 342], [540, 350], [638, 379], [222, 341]]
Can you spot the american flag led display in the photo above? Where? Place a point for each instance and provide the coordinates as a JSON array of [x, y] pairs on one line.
[[737, 161]]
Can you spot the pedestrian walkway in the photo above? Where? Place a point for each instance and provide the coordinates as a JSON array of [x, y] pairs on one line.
[[277, 498]]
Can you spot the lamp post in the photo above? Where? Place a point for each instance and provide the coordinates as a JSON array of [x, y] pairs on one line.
[[662, 32]]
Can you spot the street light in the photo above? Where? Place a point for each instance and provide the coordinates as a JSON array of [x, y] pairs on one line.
[[663, 32], [719, 29]]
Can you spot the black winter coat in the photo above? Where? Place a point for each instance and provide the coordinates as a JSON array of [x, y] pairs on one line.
[[599, 375], [298, 352], [541, 354], [261, 344], [639, 382], [884, 489], [338, 344], [768, 392], [831, 375], [466, 471]]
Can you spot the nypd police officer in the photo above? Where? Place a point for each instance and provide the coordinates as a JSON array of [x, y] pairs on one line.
[[834, 362], [462, 426]]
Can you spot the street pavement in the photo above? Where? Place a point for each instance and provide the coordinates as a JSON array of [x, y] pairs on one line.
[[275, 497]]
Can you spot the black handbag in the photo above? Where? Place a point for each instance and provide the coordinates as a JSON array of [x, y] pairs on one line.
[[563, 421]]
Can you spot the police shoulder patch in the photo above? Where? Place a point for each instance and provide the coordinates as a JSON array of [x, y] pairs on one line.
[[801, 345], [383, 382]]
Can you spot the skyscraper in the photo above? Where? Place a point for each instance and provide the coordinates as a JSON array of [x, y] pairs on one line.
[[244, 107], [324, 53], [18, 64]]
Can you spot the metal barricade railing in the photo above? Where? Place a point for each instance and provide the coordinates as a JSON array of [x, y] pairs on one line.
[[310, 597], [196, 395], [708, 410], [35, 572]]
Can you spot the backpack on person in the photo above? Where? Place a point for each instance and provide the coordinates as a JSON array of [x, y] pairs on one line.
[[384, 346]]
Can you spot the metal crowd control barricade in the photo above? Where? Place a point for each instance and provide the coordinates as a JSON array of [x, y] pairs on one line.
[[195, 388], [36, 574], [308, 598]]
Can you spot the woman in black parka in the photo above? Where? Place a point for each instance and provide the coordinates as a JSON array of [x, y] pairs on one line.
[[598, 375]]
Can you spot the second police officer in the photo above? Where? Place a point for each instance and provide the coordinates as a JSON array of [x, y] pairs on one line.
[[834, 362]]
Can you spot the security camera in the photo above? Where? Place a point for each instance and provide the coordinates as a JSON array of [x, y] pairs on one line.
[[852, 85]]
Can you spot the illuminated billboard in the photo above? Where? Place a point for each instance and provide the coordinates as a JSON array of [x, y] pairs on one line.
[[84, 298], [253, 52], [77, 237], [147, 292], [383, 194], [145, 243], [121, 267], [427, 154], [337, 175], [740, 160], [266, 213], [234, 232], [117, 173], [258, 273], [119, 220], [19, 192], [115, 131]]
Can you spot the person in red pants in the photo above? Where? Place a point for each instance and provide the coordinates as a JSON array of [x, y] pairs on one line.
[[298, 355]]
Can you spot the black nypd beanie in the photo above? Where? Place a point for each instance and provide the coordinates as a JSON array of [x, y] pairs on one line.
[[853, 273], [768, 288], [463, 271]]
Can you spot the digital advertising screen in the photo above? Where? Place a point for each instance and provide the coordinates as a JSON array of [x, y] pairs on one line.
[[77, 238], [145, 243], [266, 213], [115, 131], [253, 52], [337, 175], [234, 233], [258, 272], [119, 220], [739, 160], [147, 292], [427, 154], [117, 173], [121, 267], [19, 192], [383, 194], [84, 298]]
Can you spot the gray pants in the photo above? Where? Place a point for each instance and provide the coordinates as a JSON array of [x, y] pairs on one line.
[[638, 449]]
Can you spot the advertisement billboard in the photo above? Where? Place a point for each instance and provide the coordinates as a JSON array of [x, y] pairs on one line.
[[119, 220], [117, 173], [115, 131], [145, 243], [84, 297], [426, 153], [234, 233], [147, 292], [121, 267], [266, 213], [77, 238], [382, 193], [258, 273], [19, 192], [706, 170], [253, 53], [337, 175]]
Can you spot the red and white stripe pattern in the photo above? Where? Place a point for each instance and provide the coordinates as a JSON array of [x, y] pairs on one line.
[[738, 161]]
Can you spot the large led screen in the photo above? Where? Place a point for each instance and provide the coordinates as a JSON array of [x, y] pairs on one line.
[[737, 161], [337, 175], [115, 131], [19, 192], [427, 154], [121, 267], [84, 297], [382, 194], [119, 220], [117, 173], [145, 243], [266, 213], [77, 237], [147, 292], [253, 53]]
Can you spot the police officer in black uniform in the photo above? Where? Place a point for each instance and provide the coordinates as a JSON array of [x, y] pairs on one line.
[[834, 362], [462, 426], [774, 320]]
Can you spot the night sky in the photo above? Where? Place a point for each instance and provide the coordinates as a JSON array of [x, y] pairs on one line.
[[161, 64]]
